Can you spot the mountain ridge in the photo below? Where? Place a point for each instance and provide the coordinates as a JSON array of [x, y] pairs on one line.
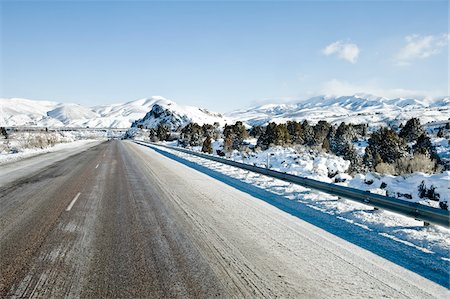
[[358, 108]]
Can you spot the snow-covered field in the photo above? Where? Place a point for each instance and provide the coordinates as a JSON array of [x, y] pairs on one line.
[[434, 241], [21, 145]]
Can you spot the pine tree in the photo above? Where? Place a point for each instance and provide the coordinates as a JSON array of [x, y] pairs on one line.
[[321, 130], [296, 132], [207, 147], [282, 136], [237, 132], [192, 135], [274, 135], [4, 132], [412, 130], [341, 140], [208, 130], [228, 144], [385, 146], [425, 147], [326, 145], [162, 132], [256, 131], [153, 135], [308, 133]]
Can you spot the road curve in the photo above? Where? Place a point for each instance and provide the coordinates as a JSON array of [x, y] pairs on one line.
[[122, 221]]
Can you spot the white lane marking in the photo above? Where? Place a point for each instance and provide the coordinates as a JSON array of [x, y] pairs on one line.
[[73, 201], [97, 166]]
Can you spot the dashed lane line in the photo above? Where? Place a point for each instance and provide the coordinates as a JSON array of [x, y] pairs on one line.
[[73, 201]]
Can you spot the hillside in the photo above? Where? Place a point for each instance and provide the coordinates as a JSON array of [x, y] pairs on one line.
[[22, 112], [149, 112], [351, 109], [173, 115]]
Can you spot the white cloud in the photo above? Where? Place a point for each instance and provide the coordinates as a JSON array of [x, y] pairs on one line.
[[421, 47], [341, 88], [346, 51]]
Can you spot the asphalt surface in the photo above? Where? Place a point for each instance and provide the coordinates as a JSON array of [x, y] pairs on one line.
[[121, 221]]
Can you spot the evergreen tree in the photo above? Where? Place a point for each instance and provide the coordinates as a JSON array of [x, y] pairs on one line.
[[412, 130], [228, 144], [4, 132], [326, 145], [152, 134], [274, 135], [208, 130], [207, 147], [385, 146], [440, 133], [191, 135], [425, 147], [237, 132], [282, 136], [162, 132], [296, 132], [256, 131], [342, 140], [321, 130], [308, 133]]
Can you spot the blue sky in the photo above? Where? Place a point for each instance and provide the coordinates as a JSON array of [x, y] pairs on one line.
[[222, 55]]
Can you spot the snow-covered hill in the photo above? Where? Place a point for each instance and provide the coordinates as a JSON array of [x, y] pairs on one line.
[[350, 109], [68, 113], [22, 112], [173, 115], [150, 112]]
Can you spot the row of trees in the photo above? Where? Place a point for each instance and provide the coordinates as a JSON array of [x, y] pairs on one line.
[[387, 150]]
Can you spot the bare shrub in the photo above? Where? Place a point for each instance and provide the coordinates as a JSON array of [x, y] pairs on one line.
[[385, 168], [418, 163], [38, 140]]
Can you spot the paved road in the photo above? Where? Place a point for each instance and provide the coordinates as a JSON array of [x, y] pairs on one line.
[[121, 221]]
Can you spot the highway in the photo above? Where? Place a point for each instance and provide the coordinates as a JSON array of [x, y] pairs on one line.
[[120, 220]]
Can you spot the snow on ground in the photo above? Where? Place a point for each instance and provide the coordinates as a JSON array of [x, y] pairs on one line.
[[21, 145], [356, 109], [27, 153], [22, 112], [432, 240], [404, 186], [315, 164], [442, 147]]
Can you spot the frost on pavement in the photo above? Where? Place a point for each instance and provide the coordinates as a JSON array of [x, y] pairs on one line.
[[432, 242]]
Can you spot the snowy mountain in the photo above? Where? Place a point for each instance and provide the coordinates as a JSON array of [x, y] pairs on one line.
[[149, 112], [22, 112], [67, 113], [351, 109], [173, 115], [26, 112]]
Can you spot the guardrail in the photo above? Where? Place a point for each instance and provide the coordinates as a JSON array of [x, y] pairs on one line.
[[406, 208]]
